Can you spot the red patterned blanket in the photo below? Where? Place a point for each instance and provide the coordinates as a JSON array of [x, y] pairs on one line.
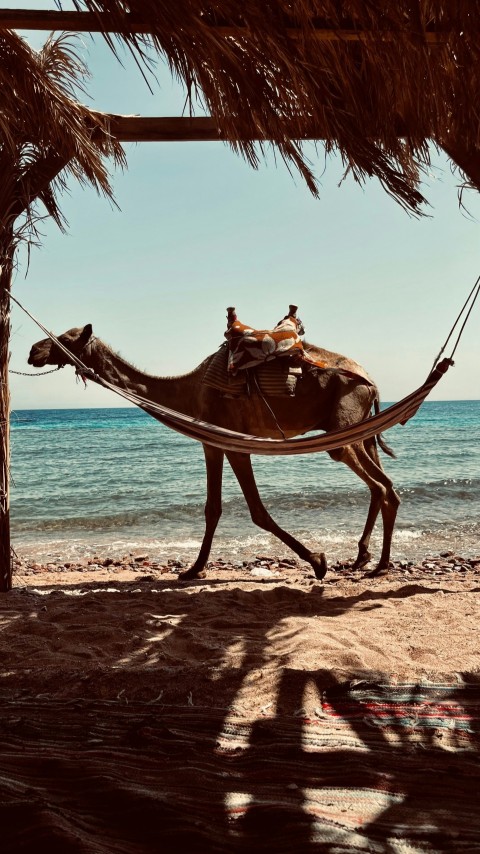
[[248, 347]]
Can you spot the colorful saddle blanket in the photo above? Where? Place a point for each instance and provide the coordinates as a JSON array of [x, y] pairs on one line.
[[277, 355], [248, 348]]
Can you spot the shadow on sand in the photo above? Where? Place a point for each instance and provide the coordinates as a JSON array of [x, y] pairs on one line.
[[120, 760]]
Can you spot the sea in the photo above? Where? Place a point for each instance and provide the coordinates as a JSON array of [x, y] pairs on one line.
[[115, 482]]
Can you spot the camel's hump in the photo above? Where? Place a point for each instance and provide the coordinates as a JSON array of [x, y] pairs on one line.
[[336, 360]]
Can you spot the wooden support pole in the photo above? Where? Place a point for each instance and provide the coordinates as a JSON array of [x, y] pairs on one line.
[[13, 201], [8, 173], [6, 257]]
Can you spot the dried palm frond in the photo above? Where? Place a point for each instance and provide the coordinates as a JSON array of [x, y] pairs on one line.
[[45, 134], [401, 74]]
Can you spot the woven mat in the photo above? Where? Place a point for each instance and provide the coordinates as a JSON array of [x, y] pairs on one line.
[[377, 768]]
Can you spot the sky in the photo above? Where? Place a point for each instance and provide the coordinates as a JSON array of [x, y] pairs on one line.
[[197, 229]]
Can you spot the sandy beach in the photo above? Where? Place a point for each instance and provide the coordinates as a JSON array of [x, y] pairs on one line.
[[101, 626]]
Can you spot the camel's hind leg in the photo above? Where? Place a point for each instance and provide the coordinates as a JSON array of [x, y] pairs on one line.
[[389, 508], [364, 461], [213, 510], [242, 467]]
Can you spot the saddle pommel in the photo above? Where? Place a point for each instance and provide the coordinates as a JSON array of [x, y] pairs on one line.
[[292, 315], [231, 316]]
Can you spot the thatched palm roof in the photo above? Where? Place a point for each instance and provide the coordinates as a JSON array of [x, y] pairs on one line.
[[43, 128], [376, 79]]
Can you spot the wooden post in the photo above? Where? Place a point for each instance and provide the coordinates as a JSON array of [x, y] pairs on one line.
[[6, 257], [14, 199]]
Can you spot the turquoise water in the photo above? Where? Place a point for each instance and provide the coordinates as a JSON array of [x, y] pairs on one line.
[[115, 480]]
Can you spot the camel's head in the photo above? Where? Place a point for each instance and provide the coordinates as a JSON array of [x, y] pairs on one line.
[[46, 352]]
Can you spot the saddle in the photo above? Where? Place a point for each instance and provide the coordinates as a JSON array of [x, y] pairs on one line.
[[248, 348], [273, 359]]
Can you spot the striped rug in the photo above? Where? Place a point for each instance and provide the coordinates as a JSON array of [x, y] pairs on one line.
[[376, 768]]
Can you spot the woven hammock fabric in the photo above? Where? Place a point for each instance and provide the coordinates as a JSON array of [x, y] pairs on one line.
[[231, 441], [379, 767]]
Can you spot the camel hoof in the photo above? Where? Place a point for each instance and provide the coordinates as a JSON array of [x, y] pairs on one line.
[[362, 560], [319, 565], [378, 572], [191, 574]]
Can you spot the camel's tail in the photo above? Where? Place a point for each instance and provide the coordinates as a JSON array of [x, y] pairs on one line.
[[382, 444]]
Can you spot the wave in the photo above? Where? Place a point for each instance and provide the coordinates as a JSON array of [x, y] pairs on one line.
[[81, 511], [446, 490]]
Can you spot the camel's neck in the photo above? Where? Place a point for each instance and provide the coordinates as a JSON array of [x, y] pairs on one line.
[[177, 393]]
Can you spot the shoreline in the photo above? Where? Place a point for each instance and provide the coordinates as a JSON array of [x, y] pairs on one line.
[[141, 566], [409, 547]]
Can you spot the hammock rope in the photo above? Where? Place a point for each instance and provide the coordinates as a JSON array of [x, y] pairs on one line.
[[471, 297], [232, 441]]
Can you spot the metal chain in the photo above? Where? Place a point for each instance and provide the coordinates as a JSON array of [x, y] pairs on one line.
[[25, 374]]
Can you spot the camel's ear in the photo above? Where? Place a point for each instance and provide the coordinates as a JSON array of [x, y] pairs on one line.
[[85, 334]]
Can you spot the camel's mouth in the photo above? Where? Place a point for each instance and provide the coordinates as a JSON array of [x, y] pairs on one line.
[[37, 359]]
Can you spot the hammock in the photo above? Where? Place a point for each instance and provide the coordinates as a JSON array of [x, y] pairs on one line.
[[231, 441]]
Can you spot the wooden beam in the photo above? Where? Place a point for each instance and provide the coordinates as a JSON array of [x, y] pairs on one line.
[[41, 173], [90, 22], [164, 129], [195, 129]]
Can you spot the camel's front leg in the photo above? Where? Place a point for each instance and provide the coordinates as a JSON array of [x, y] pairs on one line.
[[213, 510], [242, 467]]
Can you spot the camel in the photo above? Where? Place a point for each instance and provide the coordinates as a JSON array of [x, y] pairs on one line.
[[323, 401]]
